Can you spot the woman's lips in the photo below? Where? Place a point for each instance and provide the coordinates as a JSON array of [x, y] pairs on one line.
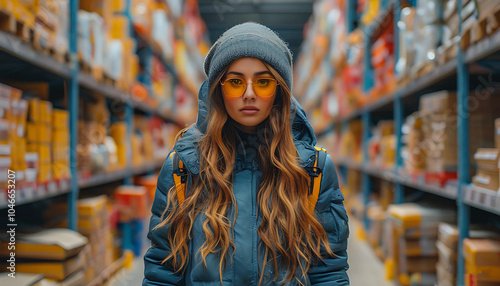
[[249, 111]]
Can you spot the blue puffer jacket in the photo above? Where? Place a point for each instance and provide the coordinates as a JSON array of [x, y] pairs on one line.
[[244, 268]]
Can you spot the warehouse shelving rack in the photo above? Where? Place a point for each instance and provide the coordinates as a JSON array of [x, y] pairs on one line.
[[48, 68], [456, 70]]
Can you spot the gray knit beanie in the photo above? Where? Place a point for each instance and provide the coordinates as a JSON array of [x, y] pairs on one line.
[[249, 39]]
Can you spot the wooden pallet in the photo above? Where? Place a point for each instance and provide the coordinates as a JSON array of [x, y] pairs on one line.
[[481, 29], [9, 24]]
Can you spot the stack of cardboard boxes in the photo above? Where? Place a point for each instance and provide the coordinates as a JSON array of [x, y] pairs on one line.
[[105, 43], [447, 246], [94, 223], [34, 141], [488, 164], [60, 145], [482, 261], [439, 115], [411, 243], [131, 202], [439, 118], [56, 253], [11, 154], [414, 152], [40, 137], [118, 131]]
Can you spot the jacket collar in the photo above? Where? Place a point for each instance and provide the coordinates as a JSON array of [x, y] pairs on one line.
[[186, 147]]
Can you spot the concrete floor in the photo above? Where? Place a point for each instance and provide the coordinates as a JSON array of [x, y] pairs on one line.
[[364, 267]]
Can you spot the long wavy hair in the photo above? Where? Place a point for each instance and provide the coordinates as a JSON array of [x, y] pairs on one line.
[[289, 230]]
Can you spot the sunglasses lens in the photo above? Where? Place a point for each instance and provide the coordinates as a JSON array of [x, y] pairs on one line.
[[234, 87], [264, 87]]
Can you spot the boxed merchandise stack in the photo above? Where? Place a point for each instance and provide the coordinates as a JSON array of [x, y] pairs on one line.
[[58, 254], [411, 242], [351, 141], [132, 202], [438, 111], [12, 140], [479, 20], [382, 145], [60, 145], [118, 131], [413, 153], [447, 246], [488, 172], [93, 223], [482, 261], [439, 121], [39, 135], [428, 35], [105, 47]]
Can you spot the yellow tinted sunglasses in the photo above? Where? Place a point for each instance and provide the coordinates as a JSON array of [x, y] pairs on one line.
[[236, 87]]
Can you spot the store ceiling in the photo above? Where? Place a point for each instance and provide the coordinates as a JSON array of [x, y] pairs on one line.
[[286, 17]]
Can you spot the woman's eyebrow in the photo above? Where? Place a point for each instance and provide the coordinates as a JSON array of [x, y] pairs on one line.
[[257, 73]]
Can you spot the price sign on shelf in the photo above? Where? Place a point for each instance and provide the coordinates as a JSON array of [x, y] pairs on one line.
[[52, 187], [64, 185], [42, 190]]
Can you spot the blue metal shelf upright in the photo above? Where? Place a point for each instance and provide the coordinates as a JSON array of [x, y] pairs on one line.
[[73, 114]]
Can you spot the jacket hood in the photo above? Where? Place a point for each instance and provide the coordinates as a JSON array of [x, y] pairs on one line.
[[186, 147]]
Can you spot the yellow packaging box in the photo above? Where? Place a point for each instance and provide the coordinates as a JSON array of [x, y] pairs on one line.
[[119, 27], [122, 154], [34, 109], [60, 119], [46, 111], [118, 131], [44, 153], [482, 252], [484, 273], [60, 136]]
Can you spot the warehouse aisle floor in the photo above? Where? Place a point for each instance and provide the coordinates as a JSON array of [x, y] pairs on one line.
[[365, 268]]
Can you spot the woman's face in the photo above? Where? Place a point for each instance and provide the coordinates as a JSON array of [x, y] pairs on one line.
[[249, 109]]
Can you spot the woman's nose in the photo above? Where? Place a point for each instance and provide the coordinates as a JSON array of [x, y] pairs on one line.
[[249, 92]]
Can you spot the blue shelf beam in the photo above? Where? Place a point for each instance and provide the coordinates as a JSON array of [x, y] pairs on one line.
[[73, 114]]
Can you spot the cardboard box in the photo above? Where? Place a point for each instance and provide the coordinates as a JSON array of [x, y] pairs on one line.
[[34, 109], [60, 119], [441, 103], [447, 257], [57, 270], [119, 27], [445, 278], [487, 178], [448, 235], [50, 244], [482, 251], [46, 112], [484, 273]]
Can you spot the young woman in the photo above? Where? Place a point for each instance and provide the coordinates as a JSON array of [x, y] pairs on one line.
[[245, 217]]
